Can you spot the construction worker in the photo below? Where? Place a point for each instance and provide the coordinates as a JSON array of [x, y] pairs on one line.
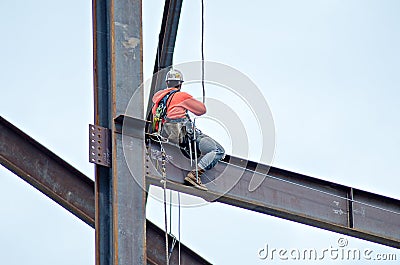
[[178, 127]]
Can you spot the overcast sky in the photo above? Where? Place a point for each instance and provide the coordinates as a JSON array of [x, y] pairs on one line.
[[328, 70]]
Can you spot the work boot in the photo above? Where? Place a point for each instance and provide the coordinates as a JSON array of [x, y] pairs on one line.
[[192, 179]]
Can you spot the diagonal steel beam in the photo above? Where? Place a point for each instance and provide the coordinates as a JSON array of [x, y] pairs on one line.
[[46, 171], [64, 184], [166, 44], [168, 32], [288, 195]]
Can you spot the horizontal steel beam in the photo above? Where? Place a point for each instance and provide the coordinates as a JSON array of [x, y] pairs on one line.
[[70, 188], [287, 195]]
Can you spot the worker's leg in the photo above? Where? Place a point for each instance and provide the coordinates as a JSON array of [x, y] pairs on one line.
[[212, 151]]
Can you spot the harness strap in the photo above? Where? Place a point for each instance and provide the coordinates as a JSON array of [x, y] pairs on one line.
[[170, 95], [185, 119]]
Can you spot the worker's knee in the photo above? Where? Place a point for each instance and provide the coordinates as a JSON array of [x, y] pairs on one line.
[[220, 151]]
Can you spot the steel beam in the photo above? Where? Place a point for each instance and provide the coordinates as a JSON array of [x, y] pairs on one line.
[[47, 172], [168, 32], [64, 184], [156, 254], [118, 74], [288, 195], [102, 105], [166, 44]]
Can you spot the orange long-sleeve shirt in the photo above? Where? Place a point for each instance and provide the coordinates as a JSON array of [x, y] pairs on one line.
[[180, 102]]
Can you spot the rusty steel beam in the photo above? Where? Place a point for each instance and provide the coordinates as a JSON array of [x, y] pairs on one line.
[[46, 171], [102, 104], [168, 32], [288, 195], [156, 253], [166, 45], [118, 73], [70, 188]]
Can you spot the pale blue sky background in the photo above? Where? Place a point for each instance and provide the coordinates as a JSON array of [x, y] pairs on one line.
[[328, 69]]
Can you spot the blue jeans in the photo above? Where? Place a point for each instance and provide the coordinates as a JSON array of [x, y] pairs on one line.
[[212, 151]]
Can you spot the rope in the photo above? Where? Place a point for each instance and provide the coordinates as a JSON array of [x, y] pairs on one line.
[[170, 226], [164, 180], [172, 246], [179, 228], [202, 51], [170, 211], [168, 251], [195, 149]]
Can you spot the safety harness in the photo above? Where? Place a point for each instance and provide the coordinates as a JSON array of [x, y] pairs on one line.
[[161, 111]]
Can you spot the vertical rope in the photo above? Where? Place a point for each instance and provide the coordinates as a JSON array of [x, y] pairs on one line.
[[170, 211], [164, 175], [179, 228], [202, 51], [166, 227]]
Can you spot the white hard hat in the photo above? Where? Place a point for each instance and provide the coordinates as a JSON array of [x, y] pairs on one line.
[[174, 75]]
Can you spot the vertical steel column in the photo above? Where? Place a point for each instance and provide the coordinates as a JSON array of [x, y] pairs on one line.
[[120, 200], [102, 103]]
